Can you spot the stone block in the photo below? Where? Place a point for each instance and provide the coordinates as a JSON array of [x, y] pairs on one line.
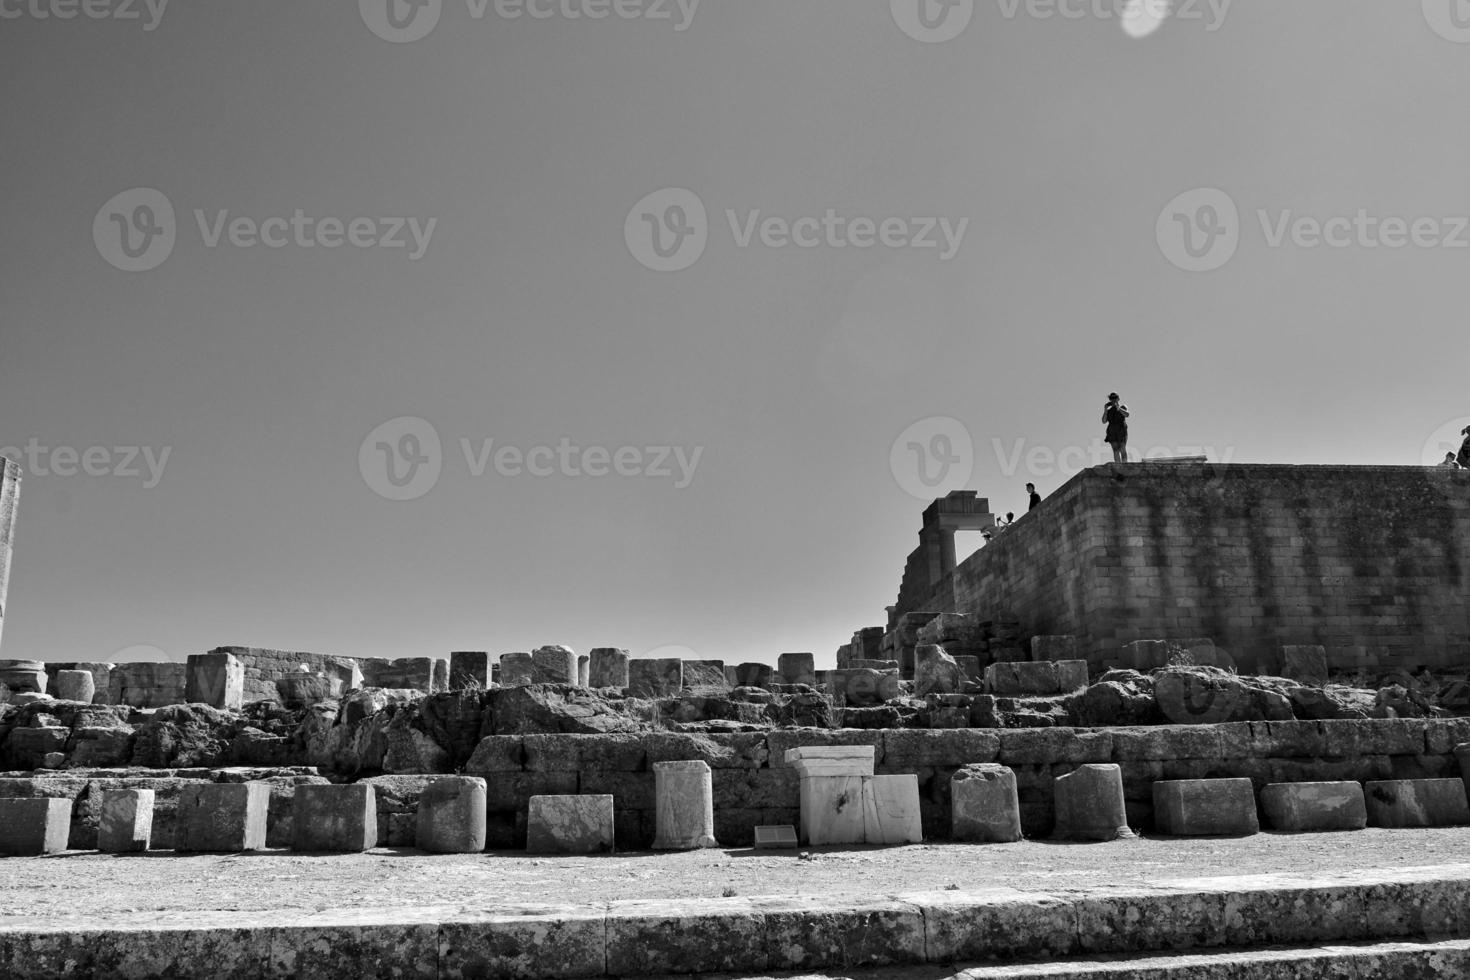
[[35, 826], [335, 818], [451, 816], [608, 667], [984, 806], [861, 687], [1071, 675], [469, 669], [441, 675], [584, 670], [684, 805], [553, 665], [215, 679], [936, 672], [832, 810], [1306, 664], [126, 824], [704, 674], [831, 760], [797, 668], [1205, 807], [404, 673], [23, 676], [147, 685], [891, 810], [1089, 804], [516, 669], [659, 678], [1054, 648], [1021, 678], [1314, 806], [569, 825], [753, 675], [971, 667], [1416, 802], [222, 817], [75, 685]]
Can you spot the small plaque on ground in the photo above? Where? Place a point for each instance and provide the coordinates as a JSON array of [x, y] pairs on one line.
[[781, 836]]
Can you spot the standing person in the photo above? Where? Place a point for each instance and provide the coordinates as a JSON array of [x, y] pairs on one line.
[[1115, 417], [1450, 462], [1035, 497], [1464, 458]]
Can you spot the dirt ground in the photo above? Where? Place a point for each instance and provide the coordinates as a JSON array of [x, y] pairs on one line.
[[90, 886]]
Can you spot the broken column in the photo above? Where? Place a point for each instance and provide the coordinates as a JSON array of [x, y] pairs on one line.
[[469, 669], [1089, 804], [9, 496], [516, 669], [553, 665], [569, 825], [986, 806], [23, 676], [334, 818], [32, 827], [608, 667], [684, 805], [222, 817], [126, 826], [216, 679], [75, 685], [797, 668], [451, 816]]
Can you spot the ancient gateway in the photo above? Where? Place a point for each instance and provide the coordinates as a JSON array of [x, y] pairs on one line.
[[1166, 650]]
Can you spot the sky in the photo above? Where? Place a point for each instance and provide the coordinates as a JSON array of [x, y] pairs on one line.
[[488, 325]]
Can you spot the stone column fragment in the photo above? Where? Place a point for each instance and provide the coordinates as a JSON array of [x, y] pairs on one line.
[[1089, 804], [986, 806], [553, 665], [75, 685], [451, 816], [684, 806], [797, 668]]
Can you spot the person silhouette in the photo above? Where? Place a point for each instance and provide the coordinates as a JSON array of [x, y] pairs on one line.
[[1463, 458], [1115, 417]]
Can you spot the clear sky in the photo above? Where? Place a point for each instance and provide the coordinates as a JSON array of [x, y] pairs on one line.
[[531, 153]]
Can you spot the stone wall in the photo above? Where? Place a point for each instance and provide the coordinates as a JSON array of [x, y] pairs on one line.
[[264, 667], [1371, 562]]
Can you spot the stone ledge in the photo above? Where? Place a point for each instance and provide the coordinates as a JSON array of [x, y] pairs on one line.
[[642, 938]]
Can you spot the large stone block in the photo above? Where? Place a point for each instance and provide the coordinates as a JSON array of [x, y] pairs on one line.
[[21, 676], [1314, 806], [469, 670], [1416, 802], [34, 826], [832, 810], [660, 678], [608, 668], [705, 674], [797, 668], [684, 805], [335, 818], [569, 825], [753, 675], [1089, 804], [147, 685], [126, 824], [553, 665], [861, 687], [451, 816], [516, 669], [891, 810], [984, 806], [75, 685], [936, 672], [222, 817], [215, 679], [405, 674], [1205, 807], [584, 670], [1307, 664], [1023, 678]]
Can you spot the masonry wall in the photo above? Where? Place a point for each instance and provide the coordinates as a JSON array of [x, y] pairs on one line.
[[1371, 562]]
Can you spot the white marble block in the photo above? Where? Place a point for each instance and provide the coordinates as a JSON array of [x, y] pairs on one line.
[[831, 760], [684, 806], [832, 810], [891, 810]]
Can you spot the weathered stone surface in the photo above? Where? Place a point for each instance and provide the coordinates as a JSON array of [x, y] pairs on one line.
[[1205, 807], [404, 673], [517, 669], [1209, 695], [936, 672], [335, 818], [544, 708], [126, 825], [660, 678], [451, 816], [75, 685], [1054, 648], [497, 753], [1118, 697], [891, 810], [704, 674], [30, 748], [906, 750], [684, 805], [34, 826], [1022, 678], [569, 825], [222, 817], [522, 941], [608, 667], [753, 675], [469, 670], [1307, 664], [1314, 806], [862, 687], [648, 938], [146, 685], [22, 676], [984, 804], [1416, 802], [797, 668], [584, 670], [1089, 804], [553, 665], [215, 679]]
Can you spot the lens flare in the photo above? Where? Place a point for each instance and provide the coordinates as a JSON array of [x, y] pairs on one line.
[[1142, 17]]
